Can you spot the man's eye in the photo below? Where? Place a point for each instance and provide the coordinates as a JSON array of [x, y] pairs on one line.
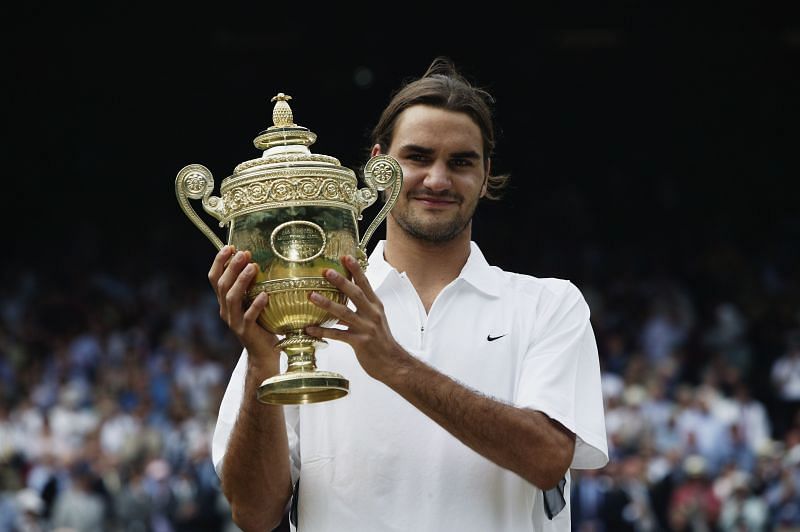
[[461, 162], [417, 157]]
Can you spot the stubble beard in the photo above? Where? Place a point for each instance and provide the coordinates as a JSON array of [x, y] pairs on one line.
[[433, 232]]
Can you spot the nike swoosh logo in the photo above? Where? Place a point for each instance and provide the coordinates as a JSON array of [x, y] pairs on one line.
[[493, 338]]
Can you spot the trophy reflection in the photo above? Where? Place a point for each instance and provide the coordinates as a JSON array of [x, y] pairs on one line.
[[297, 213]]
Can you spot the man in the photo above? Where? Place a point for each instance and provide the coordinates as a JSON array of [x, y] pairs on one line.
[[473, 390]]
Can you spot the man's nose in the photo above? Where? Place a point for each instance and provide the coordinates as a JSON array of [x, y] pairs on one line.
[[438, 176]]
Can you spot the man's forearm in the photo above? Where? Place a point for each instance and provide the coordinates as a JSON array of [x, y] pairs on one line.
[[256, 476], [524, 441]]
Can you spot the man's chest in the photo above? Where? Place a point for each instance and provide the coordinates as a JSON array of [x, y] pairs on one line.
[[477, 340]]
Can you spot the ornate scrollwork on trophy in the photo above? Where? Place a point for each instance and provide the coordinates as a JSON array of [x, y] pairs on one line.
[[383, 172], [380, 173], [195, 184], [288, 285], [195, 181], [277, 191]]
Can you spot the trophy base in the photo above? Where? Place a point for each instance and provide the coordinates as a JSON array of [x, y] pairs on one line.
[[303, 387]]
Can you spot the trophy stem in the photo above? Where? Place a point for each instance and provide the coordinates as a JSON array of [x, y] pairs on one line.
[[302, 383], [300, 357]]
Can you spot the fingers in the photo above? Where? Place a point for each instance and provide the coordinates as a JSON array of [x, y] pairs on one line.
[[342, 312], [258, 304], [218, 266], [225, 281], [235, 296], [359, 277], [232, 271], [324, 332], [359, 290], [369, 309]]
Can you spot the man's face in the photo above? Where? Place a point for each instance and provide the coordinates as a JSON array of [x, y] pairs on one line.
[[444, 172]]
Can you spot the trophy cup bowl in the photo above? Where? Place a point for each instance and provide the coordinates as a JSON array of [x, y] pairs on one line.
[[297, 213]]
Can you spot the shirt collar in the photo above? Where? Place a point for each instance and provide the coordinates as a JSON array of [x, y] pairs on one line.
[[477, 272], [378, 269]]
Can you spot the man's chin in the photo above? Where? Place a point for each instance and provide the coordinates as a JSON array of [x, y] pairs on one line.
[[430, 226], [434, 233]]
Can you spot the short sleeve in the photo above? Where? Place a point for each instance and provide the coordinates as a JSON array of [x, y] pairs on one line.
[[560, 375], [229, 411]]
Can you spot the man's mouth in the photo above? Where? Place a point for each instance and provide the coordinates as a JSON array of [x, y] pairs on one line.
[[434, 201]]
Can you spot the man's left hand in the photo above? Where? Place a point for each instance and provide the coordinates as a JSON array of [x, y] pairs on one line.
[[367, 328]]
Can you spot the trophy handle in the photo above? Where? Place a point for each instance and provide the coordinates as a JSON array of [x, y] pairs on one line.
[[195, 181], [380, 172]]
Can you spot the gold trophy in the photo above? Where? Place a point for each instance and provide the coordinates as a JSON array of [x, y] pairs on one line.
[[297, 213]]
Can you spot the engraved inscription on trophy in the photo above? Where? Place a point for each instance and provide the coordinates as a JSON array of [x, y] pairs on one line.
[[298, 241]]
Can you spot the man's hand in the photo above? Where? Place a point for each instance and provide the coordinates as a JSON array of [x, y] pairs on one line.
[[230, 276], [367, 328]]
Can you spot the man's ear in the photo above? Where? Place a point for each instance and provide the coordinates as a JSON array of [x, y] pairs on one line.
[[376, 150]]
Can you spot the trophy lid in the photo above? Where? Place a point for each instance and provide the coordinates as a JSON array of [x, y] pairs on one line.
[[287, 175], [285, 144]]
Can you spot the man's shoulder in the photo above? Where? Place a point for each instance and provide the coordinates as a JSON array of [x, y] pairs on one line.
[[514, 285], [531, 284], [542, 296]]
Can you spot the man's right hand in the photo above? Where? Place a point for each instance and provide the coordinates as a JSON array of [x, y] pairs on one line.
[[231, 274]]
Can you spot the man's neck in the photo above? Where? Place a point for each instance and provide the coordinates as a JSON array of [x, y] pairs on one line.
[[430, 266]]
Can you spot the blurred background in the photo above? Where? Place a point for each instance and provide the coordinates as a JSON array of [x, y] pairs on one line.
[[654, 161]]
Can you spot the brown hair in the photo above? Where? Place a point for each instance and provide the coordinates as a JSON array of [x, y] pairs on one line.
[[443, 87]]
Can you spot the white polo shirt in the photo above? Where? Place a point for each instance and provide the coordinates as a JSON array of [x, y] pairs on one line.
[[371, 461]]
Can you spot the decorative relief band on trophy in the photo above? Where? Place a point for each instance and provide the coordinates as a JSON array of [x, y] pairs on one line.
[[297, 213]]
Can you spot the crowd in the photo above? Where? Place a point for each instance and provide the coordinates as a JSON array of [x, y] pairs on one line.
[[110, 388], [110, 379], [700, 383]]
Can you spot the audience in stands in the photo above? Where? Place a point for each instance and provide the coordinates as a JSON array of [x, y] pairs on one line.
[[110, 383]]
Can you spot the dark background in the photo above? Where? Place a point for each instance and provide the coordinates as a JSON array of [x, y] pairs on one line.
[[641, 132]]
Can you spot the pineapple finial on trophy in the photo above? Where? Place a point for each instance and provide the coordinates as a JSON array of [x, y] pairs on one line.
[[282, 113], [284, 134]]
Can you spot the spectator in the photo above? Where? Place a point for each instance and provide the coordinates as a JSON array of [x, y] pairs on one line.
[[751, 417], [727, 338], [30, 516], [786, 379], [700, 431], [78, 507], [133, 507], [587, 500], [693, 505], [783, 496], [742, 511]]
